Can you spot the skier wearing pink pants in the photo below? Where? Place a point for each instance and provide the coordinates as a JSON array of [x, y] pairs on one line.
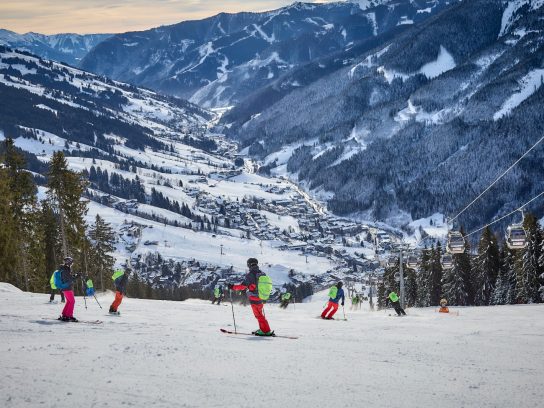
[[64, 280]]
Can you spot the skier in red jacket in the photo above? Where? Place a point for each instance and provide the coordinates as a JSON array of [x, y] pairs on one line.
[[250, 284]]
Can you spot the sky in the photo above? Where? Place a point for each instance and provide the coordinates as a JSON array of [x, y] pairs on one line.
[[114, 16]]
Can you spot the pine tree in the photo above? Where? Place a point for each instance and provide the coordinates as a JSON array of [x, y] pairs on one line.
[[8, 245], [531, 256], [51, 244], [510, 271], [517, 286], [423, 279], [541, 264], [103, 241], [500, 290], [134, 287], [486, 267], [411, 287], [64, 197], [21, 217], [35, 261], [381, 296], [435, 276], [465, 265]]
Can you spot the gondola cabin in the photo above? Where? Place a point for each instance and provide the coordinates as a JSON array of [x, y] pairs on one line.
[[412, 262], [447, 261], [392, 261], [456, 243], [516, 237]]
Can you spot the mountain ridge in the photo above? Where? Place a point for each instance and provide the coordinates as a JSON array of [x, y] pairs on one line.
[[63, 47], [219, 60]]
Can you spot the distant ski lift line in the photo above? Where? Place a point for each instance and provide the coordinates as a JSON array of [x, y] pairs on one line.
[[505, 216], [497, 179]]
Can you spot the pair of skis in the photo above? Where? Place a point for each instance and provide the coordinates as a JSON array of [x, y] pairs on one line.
[[254, 335], [339, 319], [79, 321]]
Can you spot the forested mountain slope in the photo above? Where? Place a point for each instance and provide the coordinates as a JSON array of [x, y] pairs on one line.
[[422, 123], [220, 60]]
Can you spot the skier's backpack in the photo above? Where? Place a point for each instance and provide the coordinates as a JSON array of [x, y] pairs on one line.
[[57, 280], [52, 281], [264, 286], [117, 274], [333, 292]]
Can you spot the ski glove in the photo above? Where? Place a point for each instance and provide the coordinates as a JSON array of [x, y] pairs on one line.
[[342, 303]]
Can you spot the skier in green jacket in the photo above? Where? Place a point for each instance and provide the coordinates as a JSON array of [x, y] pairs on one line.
[[217, 294], [394, 299], [285, 298]]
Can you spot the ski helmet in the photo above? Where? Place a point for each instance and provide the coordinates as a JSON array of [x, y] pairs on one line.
[[68, 260], [252, 262], [339, 285]]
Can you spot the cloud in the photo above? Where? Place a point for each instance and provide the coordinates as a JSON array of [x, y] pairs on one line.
[[113, 16]]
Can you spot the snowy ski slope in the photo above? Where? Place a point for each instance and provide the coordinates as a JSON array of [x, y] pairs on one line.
[[171, 354]]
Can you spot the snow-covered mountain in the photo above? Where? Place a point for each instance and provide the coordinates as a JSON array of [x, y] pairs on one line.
[[418, 124], [220, 60], [70, 48], [185, 210]]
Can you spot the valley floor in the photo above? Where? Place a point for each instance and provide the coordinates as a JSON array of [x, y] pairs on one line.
[[171, 354]]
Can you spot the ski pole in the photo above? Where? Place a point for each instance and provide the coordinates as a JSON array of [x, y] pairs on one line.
[[232, 307], [344, 311], [97, 301]]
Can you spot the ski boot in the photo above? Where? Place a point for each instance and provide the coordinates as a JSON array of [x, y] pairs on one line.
[[263, 334]]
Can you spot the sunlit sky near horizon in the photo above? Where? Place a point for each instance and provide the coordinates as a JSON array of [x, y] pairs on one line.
[[116, 16]]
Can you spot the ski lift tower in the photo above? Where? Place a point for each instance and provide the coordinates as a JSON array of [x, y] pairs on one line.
[[371, 277], [401, 276]]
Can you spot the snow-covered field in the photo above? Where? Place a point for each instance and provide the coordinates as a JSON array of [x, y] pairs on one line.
[[171, 354]]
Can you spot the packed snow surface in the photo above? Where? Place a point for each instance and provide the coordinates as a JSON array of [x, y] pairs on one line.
[[171, 354]]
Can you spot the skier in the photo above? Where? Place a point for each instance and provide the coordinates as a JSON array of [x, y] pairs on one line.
[[285, 299], [217, 294], [355, 302], [443, 306], [394, 299], [89, 287], [257, 284], [120, 278], [335, 294], [64, 280]]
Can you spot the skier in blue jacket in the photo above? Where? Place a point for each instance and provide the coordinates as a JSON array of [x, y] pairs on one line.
[[336, 293]]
